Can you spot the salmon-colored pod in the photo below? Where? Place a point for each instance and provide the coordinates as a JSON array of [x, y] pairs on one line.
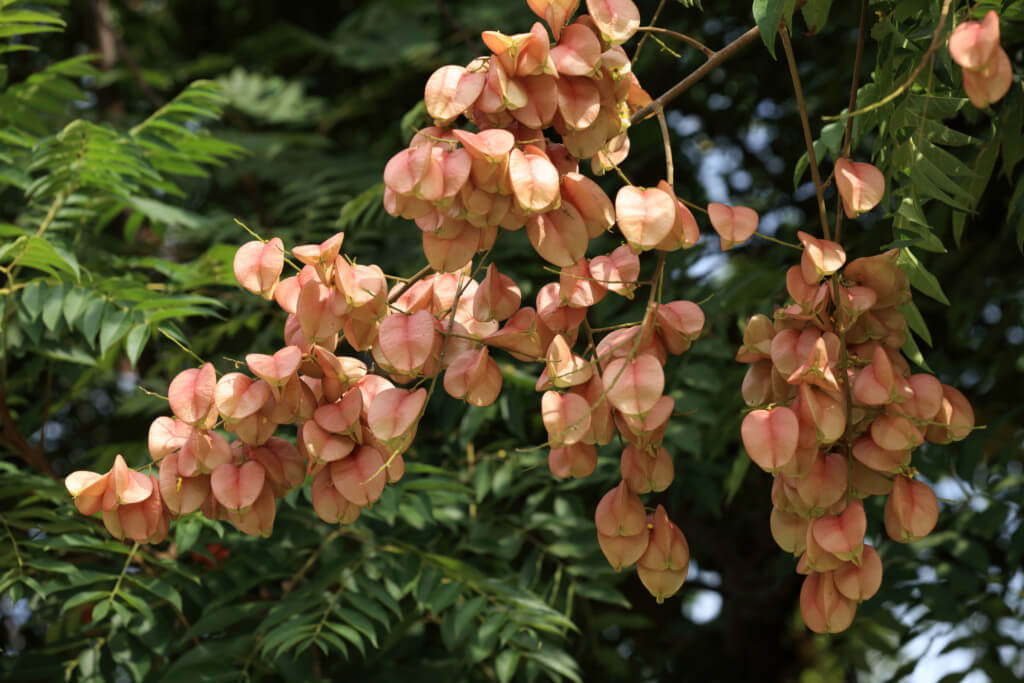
[[315, 312], [258, 266], [823, 608], [559, 236], [236, 487], [820, 257], [319, 445], [565, 368], [955, 417], [785, 349], [882, 274], [449, 255], [237, 396], [321, 256], [576, 460], [555, 12], [667, 550], [757, 339], [852, 302], [474, 376], [401, 174], [369, 386], [802, 460], [145, 521], [258, 519], [895, 433], [277, 369], [679, 323], [88, 489], [734, 224], [685, 232], [645, 217], [360, 334], [578, 288], [816, 558], [407, 340], [842, 534], [823, 410], [202, 452], [257, 428], [450, 91], [861, 186], [533, 180], [405, 205], [578, 52], [601, 429], [620, 343], [757, 384], [418, 296], [617, 20], [865, 482], [801, 290], [972, 44], [330, 505], [579, 101], [285, 466], [644, 474], [181, 495], [363, 287], [489, 151], [825, 482], [191, 396], [586, 143], [770, 437], [541, 102], [874, 384], [877, 458], [617, 271], [124, 486], [521, 336], [925, 400], [647, 431], [341, 417], [497, 298], [889, 326], [861, 581], [166, 435], [295, 403], [287, 292], [566, 417], [816, 370], [620, 513], [360, 477], [557, 318], [293, 335], [622, 551], [394, 414], [911, 510], [789, 530], [991, 83], [634, 386]]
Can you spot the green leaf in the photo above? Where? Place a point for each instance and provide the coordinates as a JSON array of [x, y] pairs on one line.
[[83, 598], [916, 321], [913, 352], [816, 14], [920, 277], [505, 665], [466, 615], [160, 589], [767, 16], [136, 342], [74, 304], [115, 326], [602, 592], [33, 296], [53, 307]]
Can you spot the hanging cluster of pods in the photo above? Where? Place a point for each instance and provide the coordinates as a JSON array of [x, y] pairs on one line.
[[836, 410]]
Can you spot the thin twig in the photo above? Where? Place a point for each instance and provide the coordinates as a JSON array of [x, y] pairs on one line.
[[643, 38], [854, 86], [680, 36], [936, 42], [669, 168], [808, 140]]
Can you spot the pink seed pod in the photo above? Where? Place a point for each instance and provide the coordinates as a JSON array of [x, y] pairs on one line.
[[559, 236], [870, 454], [361, 477], [88, 489], [257, 428], [617, 271], [789, 530], [955, 417], [533, 180], [341, 417], [285, 466], [277, 369], [617, 20], [823, 608], [820, 257], [842, 534], [926, 399], [757, 384], [973, 43], [622, 551], [540, 103], [734, 224], [520, 336], [579, 101], [238, 396], [643, 473], [145, 521], [645, 217], [620, 513], [874, 384], [321, 256], [565, 368], [823, 410], [991, 83], [203, 451], [578, 52], [593, 205], [685, 232], [330, 505], [911, 510], [191, 396], [315, 311], [258, 519], [166, 435], [321, 446], [577, 287], [815, 557], [474, 376], [865, 482], [555, 12], [554, 316], [895, 433], [601, 430], [576, 460], [450, 91], [566, 417], [258, 266], [634, 386], [181, 495], [757, 339], [816, 370], [450, 254], [394, 415], [497, 298], [882, 274], [825, 482], [663, 566], [770, 437], [679, 324], [407, 340], [646, 432], [861, 186], [860, 582]]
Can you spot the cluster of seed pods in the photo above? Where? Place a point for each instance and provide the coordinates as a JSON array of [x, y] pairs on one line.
[[837, 414]]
